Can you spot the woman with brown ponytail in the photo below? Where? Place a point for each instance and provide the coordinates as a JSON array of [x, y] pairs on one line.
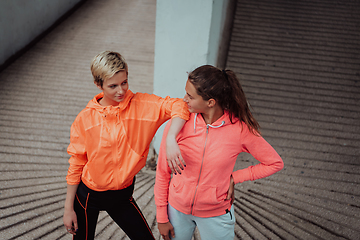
[[220, 127]]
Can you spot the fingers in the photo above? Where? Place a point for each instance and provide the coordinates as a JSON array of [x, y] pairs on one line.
[[72, 229], [228, 196], [76, 226], [182, 162], [165, 237], [176, 165], [172, 233], [229, 193], [166, 230], [232, 197], [171, 165], [174, 159]]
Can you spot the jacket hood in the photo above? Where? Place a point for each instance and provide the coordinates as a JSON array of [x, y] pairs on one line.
[[94, 103], [222, 121]]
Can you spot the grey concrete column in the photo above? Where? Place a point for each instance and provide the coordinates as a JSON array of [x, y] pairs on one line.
[[189, 33]]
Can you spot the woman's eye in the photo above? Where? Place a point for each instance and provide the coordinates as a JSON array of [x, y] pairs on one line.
[[124, 83], [112, 86]]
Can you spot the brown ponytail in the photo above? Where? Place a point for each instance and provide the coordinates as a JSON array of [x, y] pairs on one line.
[[224, 87]]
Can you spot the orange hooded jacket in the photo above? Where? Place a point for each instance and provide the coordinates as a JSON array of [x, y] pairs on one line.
[[109, 145]]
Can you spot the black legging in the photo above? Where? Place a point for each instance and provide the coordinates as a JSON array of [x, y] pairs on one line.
[[119, 204]]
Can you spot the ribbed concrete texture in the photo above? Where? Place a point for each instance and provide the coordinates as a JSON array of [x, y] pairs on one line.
[[43, 91], [299, 64]]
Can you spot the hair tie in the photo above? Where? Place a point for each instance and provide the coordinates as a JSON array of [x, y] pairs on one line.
[[225, 74]]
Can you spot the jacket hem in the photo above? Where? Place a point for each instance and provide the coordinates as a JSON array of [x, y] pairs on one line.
[[204, 213]]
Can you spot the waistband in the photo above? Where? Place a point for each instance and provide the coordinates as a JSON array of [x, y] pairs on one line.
[[109, 193]]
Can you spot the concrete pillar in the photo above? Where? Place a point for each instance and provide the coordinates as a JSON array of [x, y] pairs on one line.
[[189, 33]]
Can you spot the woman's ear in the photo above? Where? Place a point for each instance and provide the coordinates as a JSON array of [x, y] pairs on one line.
[[99, 87], [211, 102]]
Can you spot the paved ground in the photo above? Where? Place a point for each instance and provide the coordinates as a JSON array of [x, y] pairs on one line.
[[299, 64]]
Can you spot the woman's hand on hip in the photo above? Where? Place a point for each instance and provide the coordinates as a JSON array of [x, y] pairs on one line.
[[230, 195]]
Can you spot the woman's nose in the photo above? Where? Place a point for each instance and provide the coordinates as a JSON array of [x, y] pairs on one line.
[[120, 90]]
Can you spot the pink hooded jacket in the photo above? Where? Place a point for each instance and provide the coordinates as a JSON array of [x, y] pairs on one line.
[[210, 153]]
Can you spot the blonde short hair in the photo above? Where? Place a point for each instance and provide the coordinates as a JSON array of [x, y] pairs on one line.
[[107, 64]]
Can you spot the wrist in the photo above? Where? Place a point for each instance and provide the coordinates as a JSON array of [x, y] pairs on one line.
[[69, 206], [68, 210], [170, 138]]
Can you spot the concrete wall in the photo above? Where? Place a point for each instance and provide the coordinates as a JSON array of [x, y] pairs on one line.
[[189, 33], [21, 21]]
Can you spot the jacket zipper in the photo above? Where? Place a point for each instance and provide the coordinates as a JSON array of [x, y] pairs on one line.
[[113, 133], [202, 162]]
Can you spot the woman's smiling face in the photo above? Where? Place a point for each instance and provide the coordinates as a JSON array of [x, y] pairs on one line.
[[114, 89]]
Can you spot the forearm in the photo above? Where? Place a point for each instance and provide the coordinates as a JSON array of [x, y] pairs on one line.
[[70, 196], [270, 163], [70, 218], [173, 154], [161, 192], [162, 181], [176, 125], [261, 150]]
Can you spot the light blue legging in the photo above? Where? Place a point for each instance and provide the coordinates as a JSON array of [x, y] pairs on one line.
[[220, 227]]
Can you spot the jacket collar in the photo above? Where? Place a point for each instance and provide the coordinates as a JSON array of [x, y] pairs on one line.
[[94, 103], [222, 121]]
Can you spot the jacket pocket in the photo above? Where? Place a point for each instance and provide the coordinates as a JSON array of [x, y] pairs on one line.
[[181, 192], [206, 197], [176, 186]]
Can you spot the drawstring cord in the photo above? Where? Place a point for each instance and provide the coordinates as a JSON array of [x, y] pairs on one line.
[[209, 125]]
